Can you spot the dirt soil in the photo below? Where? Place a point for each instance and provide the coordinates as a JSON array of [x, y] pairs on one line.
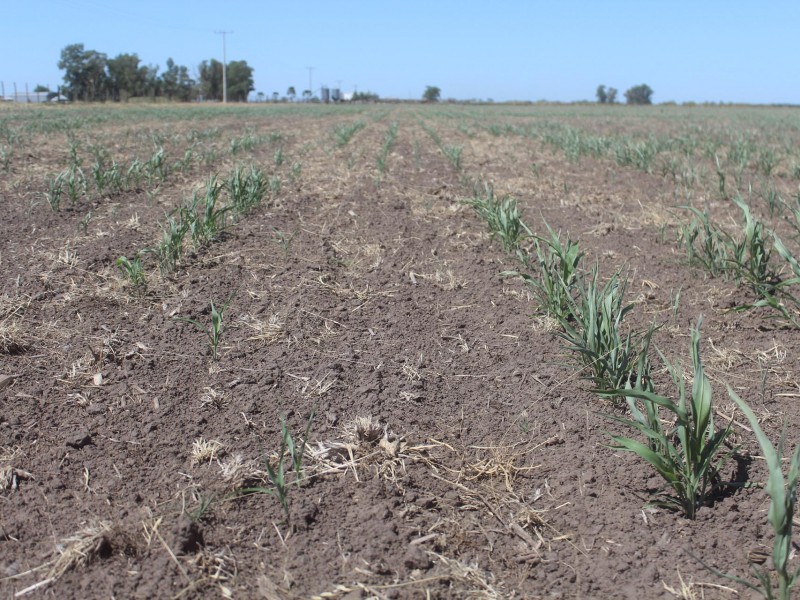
[[452, 450]]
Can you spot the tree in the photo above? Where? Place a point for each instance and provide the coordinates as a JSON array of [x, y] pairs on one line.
[[240, 80], [602, 96], [210, 79], [431, 94], [639, 94], [176, 84], [365, 97], [40, 89], [84, 72], [125, 77], [611, 95], [291, 93], [239, 76], [307, 95]]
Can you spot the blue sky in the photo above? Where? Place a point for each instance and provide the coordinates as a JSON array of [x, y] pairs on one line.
[[702, 50]]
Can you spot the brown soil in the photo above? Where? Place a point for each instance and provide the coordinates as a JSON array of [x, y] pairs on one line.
[[453, 452]]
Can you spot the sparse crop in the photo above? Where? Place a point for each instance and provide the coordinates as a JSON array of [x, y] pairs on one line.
[[53, 194], [750, 257], [554, 272], [278, 474], [386, 147], [170, 250], [683, 447], [705, 244], [453, 154], [783, 500], [207, 225], [246, 188], [133, 270], [344, 132], [503, 217], [214, 330], [592, 330]]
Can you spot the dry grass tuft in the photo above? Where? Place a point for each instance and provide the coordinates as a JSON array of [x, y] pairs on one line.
[[79, 549], [13, 339], [10, 476], [364, 430], [474, 581], [213, 398], [266, 332], [688, 590], [205, 450], [237, 472]]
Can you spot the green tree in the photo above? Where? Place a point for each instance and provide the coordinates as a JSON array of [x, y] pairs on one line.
[[84, 72], [211, 79], [291, 92], [639, 94], [602, 96], [239, 76], [431, 94], [176, 84], [125, 77], [611, 95], [240, 80], [40, 88]]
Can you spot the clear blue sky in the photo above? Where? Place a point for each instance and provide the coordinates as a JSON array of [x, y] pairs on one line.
[[701, 50]]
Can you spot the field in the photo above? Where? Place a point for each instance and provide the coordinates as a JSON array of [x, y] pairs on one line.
[[381, 351]]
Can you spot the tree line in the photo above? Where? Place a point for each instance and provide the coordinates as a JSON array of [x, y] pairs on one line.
[[638, 94], [91, 76]]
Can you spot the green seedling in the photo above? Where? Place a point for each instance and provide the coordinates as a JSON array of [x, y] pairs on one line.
[[291, 453], [388, 142], [344, 132], [503, 218], [592, 330], [453, 154], [686, 453], [53, 195], [556, 268], [284, 240], [246, 188], [781, 297], [170, 250], [783, 500], [6, 154], [214, 330], [156, 167], [132, 270], [706, 245], [205, 226], [76, 184], [750, 258], [203, 505]]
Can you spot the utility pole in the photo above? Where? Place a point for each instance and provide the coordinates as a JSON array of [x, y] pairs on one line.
[[310, 86], [224, 67]]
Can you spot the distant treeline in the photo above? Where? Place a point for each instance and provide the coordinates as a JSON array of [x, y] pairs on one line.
[[90, 76]]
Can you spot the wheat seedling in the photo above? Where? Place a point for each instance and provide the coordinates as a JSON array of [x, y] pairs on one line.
[[556, 276], [783, 499], [133, 271], [684, 454], [278, 475], [214, 330]]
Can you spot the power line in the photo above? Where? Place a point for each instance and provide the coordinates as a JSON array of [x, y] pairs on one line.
[[224, 67]]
